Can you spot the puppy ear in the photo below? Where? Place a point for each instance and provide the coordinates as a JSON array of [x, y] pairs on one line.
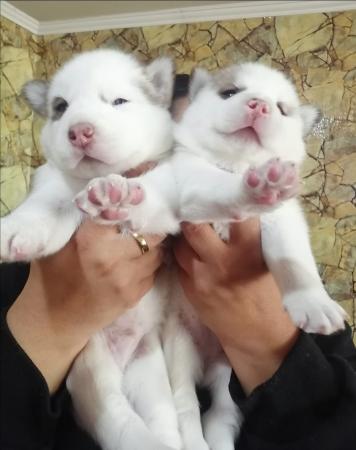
[[160, 73], [35, 93], [199, 79], [310, 116]]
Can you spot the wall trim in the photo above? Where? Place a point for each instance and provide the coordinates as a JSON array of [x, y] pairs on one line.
[[222, 11], [20, 18]]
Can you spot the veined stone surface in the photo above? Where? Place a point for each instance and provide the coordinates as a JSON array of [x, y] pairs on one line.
[[318, 52]]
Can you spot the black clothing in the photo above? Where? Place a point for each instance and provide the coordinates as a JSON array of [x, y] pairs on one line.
[[309, 404]]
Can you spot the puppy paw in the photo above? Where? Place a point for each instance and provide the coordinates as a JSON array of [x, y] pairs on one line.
[[314, 311], [218, 433], [199, 444], [107, 199], [171, 438], [272, 182], [22, 241]]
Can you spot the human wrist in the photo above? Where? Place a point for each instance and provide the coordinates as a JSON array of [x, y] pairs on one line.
[[256, 359]]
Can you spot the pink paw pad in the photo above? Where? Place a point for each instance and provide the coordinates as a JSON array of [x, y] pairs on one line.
[[253, 179], [23, 250], [136, 195], [109, 197], [94, 196], [114, 214], [274, 173], [114, 193], [18, 254], [272, 182]]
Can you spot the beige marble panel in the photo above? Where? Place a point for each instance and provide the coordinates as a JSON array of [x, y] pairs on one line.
[[19, 153], [318, 52]]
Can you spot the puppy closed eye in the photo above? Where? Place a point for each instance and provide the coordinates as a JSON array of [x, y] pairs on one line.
[[119, 101], [282, 108], [230, 92]]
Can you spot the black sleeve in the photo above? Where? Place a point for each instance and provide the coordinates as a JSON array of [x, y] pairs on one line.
[[13, 278], [31, 419], [28, 414], [309, 403]]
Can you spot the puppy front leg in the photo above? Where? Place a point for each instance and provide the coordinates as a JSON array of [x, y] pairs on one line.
[[146, 204], [43, 223], [210, 194], [288, 254]]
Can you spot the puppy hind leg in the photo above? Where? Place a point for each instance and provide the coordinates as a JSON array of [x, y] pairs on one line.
[[221, 422], [184, 367], [95, 384], [147, 386]]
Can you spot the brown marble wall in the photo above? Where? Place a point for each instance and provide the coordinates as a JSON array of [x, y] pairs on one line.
[[318, 51], [19, 149]]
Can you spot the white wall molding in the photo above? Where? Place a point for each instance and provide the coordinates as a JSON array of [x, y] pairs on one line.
[[19, 17], [221, 11]]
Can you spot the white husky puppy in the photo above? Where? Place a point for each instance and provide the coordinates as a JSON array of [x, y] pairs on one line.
[[106, 114], [239, 145]]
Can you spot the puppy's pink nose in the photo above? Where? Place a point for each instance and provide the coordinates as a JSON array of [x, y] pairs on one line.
[[259, 107], [81, 134]]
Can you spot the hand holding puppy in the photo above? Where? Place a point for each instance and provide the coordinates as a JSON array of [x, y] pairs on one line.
[[102, 275], [237, 298]]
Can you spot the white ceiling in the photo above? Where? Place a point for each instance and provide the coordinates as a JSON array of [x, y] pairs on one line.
[[63, 10]]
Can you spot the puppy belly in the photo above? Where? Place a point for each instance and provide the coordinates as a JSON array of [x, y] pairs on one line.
[[207, 345]]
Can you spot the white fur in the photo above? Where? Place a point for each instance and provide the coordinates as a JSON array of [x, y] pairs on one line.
[[204, 181], [125, 136], [208, 137], [207, 183], [121, 404], [213, 135], [119, 382]]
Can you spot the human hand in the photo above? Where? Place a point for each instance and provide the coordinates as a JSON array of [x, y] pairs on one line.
[[69, 296], [236, 297]]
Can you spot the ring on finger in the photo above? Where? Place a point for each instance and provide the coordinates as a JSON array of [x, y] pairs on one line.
[[141, 242]]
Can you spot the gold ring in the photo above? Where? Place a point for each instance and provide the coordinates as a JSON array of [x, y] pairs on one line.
[[141, 242]]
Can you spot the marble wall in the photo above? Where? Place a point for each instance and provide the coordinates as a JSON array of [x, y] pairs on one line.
[[318, 51], [20, 151]]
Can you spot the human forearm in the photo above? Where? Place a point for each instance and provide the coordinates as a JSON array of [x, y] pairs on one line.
[[50, 345], [238, 299], [254, 331], [71, 295]]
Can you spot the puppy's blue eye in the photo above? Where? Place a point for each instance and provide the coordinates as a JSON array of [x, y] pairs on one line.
[[119, 101], [227, 93]]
